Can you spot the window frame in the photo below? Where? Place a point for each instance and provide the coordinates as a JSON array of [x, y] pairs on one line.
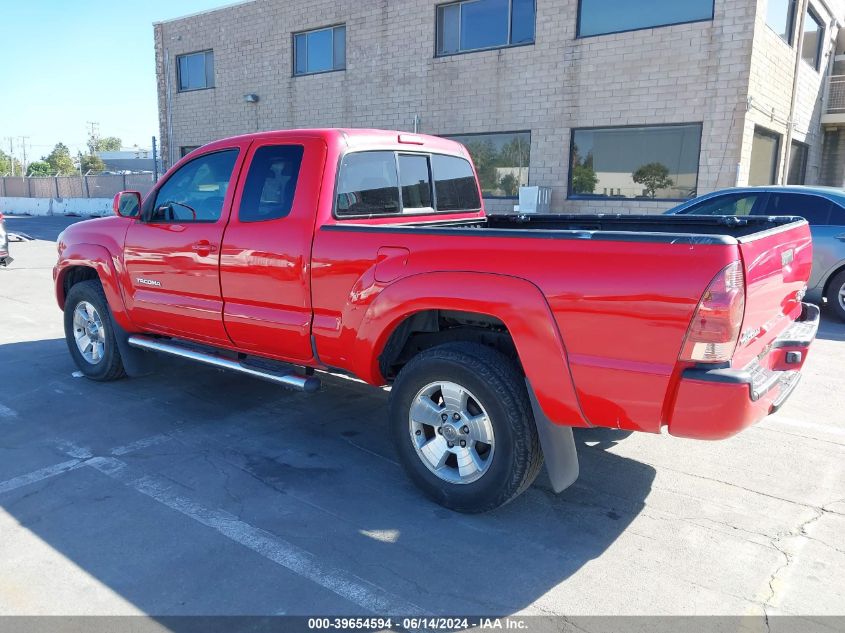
[[179, 71], [579, 36], [466, 51], [790, 25], [814, 15], [190, 148], [451, 137], [764, 131], [306, 33], [580, 196], [421, 212], [146, 211]]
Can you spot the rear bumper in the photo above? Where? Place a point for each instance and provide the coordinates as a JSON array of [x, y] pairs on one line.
[[713, 404]]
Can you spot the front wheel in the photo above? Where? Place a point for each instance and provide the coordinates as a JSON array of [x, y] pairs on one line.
[[836, 295], [89, 332], [463, 427]]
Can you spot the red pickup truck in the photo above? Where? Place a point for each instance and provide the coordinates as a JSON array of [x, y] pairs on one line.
[[283, 254]]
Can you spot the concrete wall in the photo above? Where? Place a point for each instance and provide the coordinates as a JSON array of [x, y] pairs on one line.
[[56, 206]]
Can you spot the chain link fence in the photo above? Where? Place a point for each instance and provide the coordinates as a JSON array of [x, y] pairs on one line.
[[88, 186]]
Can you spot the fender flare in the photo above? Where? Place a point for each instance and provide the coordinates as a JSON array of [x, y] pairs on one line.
[[107, 268], [518, 303]]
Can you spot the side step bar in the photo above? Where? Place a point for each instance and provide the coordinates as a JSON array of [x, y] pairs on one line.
[[308, 384]]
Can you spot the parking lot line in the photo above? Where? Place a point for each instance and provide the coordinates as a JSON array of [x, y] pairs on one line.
[[344, 584], [40, 475]]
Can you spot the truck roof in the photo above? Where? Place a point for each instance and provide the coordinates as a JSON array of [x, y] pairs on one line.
[[358, 138]]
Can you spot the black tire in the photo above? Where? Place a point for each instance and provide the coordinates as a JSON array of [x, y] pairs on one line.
[[109, 367], [500, 389], [834, 290]]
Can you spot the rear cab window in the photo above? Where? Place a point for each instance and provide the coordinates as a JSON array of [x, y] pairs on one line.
[[271, 183], [393, 183]]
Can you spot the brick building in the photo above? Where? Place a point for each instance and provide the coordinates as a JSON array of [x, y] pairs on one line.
[[615, 105]]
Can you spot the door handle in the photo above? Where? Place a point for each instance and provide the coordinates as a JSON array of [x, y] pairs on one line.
[[204, 247]]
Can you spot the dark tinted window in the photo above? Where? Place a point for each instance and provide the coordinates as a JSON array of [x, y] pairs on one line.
[[368, 184], [612, 16], [814, 209], [271, 183], [196, 191], [454, 183], [837, 215], [797, 164], [736, 204], [416, 181], [765, 146]]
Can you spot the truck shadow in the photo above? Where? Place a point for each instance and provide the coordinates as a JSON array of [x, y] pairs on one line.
[[831, 327], [313, 473]]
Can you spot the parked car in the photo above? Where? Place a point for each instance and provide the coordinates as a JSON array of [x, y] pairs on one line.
[[5, 258], [823, 208], [368, 252]]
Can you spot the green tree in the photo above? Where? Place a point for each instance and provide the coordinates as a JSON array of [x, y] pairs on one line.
[[484, 156], [60, 161], [9, 164], [653, 176], [584, 178], [108, 144], [39, 168], [92, 162], [509, 184], [515, 153]]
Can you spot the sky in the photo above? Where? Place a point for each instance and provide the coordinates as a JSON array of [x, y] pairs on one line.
[[63, 64]]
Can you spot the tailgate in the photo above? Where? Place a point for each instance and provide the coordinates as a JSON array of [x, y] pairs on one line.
[[777, 266]]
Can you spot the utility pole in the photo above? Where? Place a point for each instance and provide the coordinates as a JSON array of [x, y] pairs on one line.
[[11, 153], [23, 145], [155, 161], [93, 135]]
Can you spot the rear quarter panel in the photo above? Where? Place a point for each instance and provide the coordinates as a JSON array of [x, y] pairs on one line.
[[621, 309]]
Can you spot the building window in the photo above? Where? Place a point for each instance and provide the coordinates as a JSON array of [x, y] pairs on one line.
[[320, 51], [658, 162], [187, 149], [598, 17], [501, 161], [765, 148], [811, 49], [780, 16], [797, 163], [195, 71], [475, 25]]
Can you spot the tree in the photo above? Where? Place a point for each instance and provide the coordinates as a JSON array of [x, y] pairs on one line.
[[39, 168], [9, 164], [509, 184], [653, 176], [484, 156], [584, 177], [92, 162], [60, 161], [107, 144]]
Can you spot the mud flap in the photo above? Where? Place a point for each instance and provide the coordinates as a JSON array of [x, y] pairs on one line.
[[558, 446], [136, 362]]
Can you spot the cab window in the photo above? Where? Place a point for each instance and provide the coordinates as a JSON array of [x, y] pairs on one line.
[[271, 183], [196, 191]]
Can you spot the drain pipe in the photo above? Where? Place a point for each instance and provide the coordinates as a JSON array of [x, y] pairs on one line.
[[790, 125]]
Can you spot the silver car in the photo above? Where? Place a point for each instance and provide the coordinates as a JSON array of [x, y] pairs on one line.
[[822, 207]]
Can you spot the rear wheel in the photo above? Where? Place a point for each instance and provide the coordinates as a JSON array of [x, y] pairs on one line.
[[836, 295], [462, 424], [89, 332]]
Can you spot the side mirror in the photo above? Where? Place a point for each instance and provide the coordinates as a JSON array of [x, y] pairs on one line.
[[127, 204]]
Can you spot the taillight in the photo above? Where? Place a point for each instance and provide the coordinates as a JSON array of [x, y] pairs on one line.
[[715, 326]]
